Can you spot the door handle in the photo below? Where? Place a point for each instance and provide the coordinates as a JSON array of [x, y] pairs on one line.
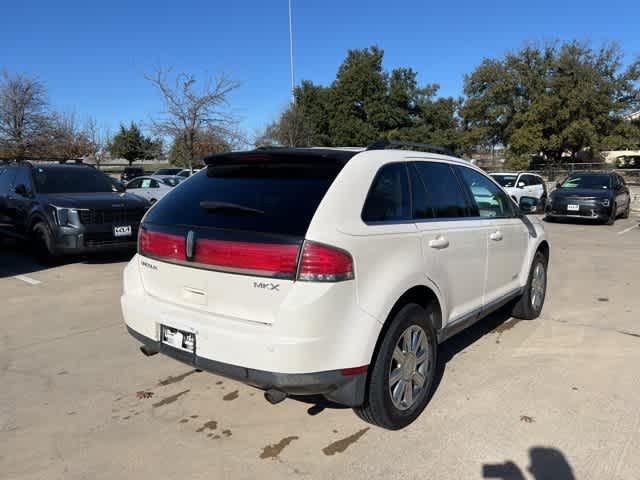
[[439, 243], [496, 236]]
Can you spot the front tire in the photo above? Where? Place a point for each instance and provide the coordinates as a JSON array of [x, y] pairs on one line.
[[42, 244], [530, 303], [400, 382], [627, 211], [614, 214]]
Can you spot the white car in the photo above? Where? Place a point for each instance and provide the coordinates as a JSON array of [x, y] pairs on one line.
[[152, 188], [186, 173], [522, 184], [332, 272]]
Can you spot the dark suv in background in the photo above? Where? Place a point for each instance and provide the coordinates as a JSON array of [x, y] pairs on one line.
[[129, 173], [64, 208]]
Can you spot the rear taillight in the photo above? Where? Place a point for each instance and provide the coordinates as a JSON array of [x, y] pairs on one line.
[[162, 245], [263, 258], [321, 263]]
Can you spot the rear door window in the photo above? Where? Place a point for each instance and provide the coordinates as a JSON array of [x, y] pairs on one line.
[[444, 197], [275, 198], [388, 199]]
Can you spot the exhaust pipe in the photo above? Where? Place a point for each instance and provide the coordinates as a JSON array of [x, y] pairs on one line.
[[147, 351], [274, 396]]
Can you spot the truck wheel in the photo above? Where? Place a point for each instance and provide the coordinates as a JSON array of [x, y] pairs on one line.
[[42, 244], [530, 303], [401, 379]]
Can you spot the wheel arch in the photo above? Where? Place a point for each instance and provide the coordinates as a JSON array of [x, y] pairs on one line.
[[544, 249]]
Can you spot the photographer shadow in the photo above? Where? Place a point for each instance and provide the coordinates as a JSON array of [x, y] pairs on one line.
[[546, 464]]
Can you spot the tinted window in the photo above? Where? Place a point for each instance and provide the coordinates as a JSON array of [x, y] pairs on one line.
[[489, 199], [6, 178], [145, 183], [602, 181], [527, 180], [134, 183], [506, 180], [23, 177], [172, 181], [72, 180], [388, 198], [284, 197], [444, 195]]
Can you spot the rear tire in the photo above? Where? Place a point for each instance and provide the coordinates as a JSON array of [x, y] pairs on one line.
[[627, 211], [400, 382], [530, 303]]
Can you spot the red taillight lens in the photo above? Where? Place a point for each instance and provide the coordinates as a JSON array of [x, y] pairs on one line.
[[273, 259], [161, 245], [320, 263]]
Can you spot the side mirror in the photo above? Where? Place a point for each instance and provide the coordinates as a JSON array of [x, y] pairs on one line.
[[528, 204], [22, 190]]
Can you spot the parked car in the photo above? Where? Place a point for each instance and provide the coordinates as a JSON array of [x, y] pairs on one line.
[[66, 209], [130, 173], [521, 184], [589, 195], [332, 272], [167, 172], [186, 173], [152, 188]]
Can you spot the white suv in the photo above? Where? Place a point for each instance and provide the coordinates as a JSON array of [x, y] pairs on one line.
[[523, 184], [333, 272]]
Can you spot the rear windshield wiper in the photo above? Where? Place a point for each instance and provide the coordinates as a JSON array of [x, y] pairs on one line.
[[231, 207]]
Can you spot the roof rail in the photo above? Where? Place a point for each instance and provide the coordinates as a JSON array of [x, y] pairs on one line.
[[388, 142]]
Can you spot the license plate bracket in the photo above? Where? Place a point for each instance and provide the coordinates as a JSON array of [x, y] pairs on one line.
[[178, 339]]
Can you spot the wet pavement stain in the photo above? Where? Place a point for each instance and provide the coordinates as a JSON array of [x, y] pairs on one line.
[[631, 334], [142, 394], [170, 399], [527, 419], [176, 379], [210, 425], [603, 299], [71, 413], [193, 416], [273, 451], [230, 396], [126, 418], [503, 327], [216, 437], [184, 420], [341, 445], [219, 382], [63, 372], [227, 433]]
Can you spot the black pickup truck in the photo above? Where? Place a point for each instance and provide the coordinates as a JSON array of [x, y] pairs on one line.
[[67, 208]]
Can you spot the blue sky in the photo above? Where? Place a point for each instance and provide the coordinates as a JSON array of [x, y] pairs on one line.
[[93, 55]]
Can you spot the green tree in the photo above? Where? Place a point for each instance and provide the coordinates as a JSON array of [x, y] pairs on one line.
[[551, 100], [131, 144]]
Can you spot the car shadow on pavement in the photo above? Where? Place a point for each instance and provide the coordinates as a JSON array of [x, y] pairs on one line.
[[17, 259], [545, 464]]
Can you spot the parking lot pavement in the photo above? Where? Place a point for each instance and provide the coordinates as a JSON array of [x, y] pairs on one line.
[[557, 396]]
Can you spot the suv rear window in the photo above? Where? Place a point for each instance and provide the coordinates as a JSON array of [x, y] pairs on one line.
[[277, 198]]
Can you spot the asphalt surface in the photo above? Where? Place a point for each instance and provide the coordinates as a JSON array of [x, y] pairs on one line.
[[557, 397]]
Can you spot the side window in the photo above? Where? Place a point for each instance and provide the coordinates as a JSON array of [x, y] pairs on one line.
[[23, 177], [444, 195], [155, 184], [6, 178], [526, 179], [490, 200], [388, 198], [146, 183], [134, 184]]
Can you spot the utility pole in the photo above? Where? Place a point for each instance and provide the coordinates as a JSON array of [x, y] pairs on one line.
[[293, 99]]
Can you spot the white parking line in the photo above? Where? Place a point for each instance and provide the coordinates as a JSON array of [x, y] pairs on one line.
[[29, 280], [622, 232]]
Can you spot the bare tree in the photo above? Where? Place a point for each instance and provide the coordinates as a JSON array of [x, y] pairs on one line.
[[23, 113], [190, 110], [97, 139], [65, 139], [292, 129]]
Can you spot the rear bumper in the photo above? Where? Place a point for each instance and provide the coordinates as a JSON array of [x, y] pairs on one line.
[[347, 390]]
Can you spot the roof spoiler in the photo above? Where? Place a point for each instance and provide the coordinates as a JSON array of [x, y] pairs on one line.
[[388, 142]]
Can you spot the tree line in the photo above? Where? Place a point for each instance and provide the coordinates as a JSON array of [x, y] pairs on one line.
[[194, 119], [557, 101]]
